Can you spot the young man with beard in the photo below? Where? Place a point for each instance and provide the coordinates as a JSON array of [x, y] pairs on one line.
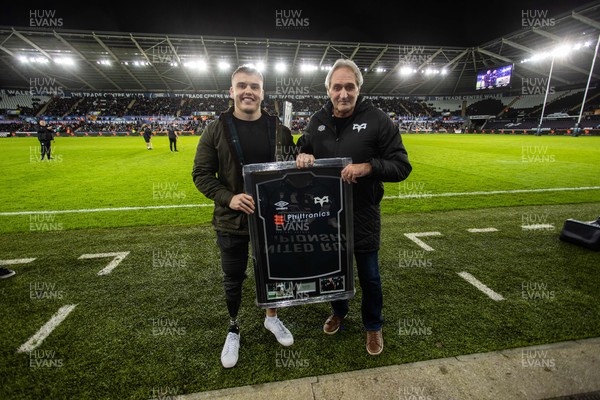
[[348, 125], [244, 134]]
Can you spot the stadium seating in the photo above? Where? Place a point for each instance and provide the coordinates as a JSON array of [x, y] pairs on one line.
[[122, 112]]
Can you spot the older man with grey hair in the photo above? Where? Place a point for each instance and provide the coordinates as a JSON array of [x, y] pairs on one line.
[[349, 125]]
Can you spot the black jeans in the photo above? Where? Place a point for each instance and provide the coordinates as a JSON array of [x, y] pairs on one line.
[[45, 148], [173, 144], [234, 261]]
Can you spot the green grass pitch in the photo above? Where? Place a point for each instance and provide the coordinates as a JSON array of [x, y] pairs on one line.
[[155, 325]]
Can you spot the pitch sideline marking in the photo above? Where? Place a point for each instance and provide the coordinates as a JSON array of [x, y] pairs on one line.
[[91, 210], [118, 257], [415, 238], [428, 195], [16, 261], [47, 329], [473, 281], [408, 196], [482, 230], [537, 226]]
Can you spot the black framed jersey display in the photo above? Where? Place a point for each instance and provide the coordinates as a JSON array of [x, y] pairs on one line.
[[301, 232]]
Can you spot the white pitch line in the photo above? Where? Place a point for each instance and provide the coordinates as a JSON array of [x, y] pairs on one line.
[[118, 257], [428, 195], [537, 226], [407, 196], [473, 281], [47, 329], [415, 238], [16, 261], [91, 210], [482, 230]]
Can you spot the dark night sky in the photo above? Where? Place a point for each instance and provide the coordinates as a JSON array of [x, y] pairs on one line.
[[447, 24]]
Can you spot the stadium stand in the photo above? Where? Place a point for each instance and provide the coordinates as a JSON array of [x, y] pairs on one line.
[[110, 112]]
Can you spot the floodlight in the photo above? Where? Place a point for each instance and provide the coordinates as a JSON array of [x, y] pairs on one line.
[[280, 67]]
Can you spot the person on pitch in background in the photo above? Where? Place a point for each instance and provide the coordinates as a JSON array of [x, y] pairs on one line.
[[172, 137], [45, 137], [244, 134], [348, 125], [147, 133]]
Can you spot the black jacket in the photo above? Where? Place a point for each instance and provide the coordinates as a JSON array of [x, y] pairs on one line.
[[369, 136], [44, 134], [218, 164]]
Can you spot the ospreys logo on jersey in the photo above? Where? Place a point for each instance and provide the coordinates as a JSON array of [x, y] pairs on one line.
[[321, 200], [359, 127]]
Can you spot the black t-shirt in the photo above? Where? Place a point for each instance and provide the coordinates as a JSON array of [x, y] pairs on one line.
[[254, 140], [340, 123]]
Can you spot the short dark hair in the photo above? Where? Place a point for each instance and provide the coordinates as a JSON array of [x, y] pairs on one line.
[[247, 69]]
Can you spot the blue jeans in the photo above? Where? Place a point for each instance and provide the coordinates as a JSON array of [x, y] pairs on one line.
[[367, 265]]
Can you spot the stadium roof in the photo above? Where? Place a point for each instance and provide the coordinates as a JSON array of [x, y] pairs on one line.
[[143, 62]]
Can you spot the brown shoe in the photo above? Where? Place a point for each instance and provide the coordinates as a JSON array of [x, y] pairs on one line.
[[332, 325], [374, 342]]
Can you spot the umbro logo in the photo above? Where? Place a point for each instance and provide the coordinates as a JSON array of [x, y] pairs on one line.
[[281, 205], [359, 127]]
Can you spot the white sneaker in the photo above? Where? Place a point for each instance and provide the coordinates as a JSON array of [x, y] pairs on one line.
[[229, 355], [283, 335]]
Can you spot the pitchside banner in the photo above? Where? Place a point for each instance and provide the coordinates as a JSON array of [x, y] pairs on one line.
[[301, 232]]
